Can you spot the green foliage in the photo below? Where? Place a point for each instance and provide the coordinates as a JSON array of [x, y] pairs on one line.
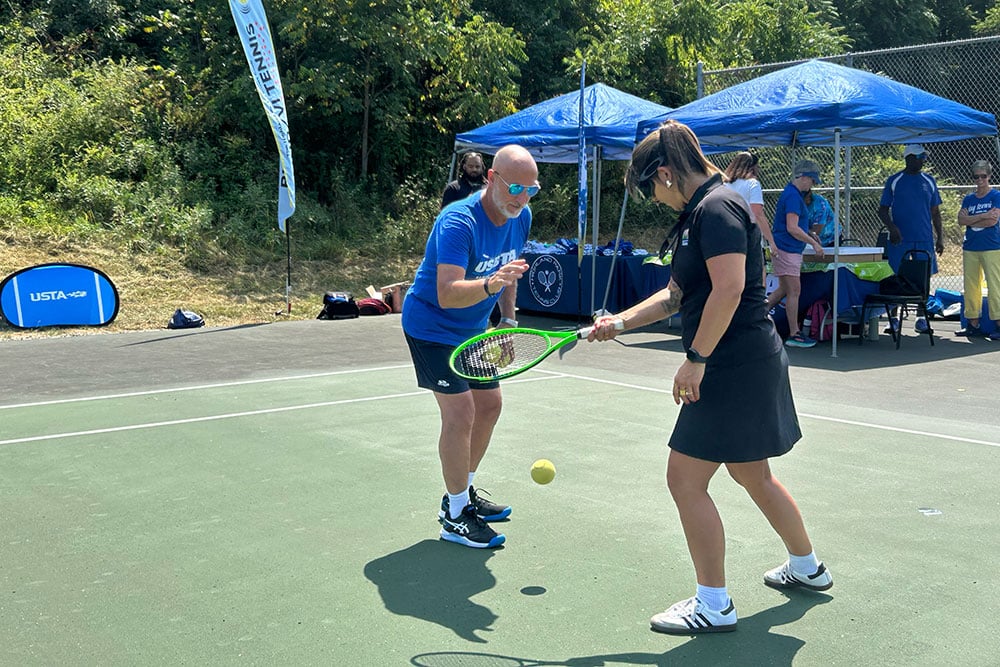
[[647, 48], [137, 121], [761, 31], [990, 23], [879, 24]]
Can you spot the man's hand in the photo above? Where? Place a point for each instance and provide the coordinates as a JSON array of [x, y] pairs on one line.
[[508, 274]]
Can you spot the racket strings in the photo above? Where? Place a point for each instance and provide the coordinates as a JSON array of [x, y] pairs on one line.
[[502, 354]]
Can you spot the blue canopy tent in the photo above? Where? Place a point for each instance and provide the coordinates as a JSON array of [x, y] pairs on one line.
[[550, 131], [818, 103]]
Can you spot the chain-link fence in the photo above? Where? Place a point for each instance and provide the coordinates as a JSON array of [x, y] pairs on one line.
[[960, 71]]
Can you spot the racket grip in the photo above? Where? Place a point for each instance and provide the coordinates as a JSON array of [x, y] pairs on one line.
[[583, 333]]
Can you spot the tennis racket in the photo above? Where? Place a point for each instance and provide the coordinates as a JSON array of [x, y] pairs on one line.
[[504, 353]]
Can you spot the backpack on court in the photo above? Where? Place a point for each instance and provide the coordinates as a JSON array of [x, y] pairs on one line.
[[185, 319], [820, 320], [338, 306]]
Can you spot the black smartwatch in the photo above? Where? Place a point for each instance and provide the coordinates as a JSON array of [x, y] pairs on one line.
[[694, 357]]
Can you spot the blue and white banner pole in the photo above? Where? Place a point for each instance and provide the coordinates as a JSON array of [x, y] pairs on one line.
[[258, 46]]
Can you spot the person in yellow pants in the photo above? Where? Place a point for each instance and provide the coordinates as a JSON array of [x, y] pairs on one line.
[[981, 252]]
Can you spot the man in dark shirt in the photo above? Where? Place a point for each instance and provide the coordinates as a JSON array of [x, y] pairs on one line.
[[471, 178]]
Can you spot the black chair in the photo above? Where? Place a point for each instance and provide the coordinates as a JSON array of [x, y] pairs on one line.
[[911, 287]]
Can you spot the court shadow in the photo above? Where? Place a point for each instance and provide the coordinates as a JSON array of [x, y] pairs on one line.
[[434, 581], [752, 645], [175, 334]]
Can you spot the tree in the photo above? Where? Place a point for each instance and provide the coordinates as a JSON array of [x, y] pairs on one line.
[[366, 73], [647, 48], [767, 31], [880, 24]]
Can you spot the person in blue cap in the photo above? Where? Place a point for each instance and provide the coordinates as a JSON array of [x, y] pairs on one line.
[[910, 210], [791, 234]]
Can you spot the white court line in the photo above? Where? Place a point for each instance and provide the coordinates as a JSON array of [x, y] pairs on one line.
[[550, 375], [195, 420], [850, 422], [897, 429], [200, 386], [232, 415]]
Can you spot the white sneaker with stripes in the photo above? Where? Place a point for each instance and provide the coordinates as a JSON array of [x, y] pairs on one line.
[[784, 577], [691, 616]]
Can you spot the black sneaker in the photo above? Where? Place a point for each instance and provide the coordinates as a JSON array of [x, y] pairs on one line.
[[971, 331], [486, 509], [469, 530]]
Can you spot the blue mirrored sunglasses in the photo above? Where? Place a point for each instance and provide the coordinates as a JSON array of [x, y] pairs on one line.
[[516, 188]]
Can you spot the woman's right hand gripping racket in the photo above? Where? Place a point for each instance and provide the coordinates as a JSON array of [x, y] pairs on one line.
[[504, 353]]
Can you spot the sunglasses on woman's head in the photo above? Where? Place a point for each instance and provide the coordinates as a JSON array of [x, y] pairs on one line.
[[516, 188], [644, 184], [976, 177]]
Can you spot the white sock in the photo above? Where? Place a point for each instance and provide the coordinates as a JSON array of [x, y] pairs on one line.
[[457, 503], [715, 599], [471, 475], [804, 564]]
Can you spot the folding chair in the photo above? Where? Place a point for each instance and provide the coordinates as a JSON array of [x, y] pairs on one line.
[[914, 273]]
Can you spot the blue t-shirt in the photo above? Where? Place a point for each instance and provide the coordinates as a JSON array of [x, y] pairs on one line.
[[791, 201], [462, 235], [978, 239], [910, 198]]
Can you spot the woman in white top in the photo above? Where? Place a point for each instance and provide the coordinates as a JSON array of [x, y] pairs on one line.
[[742, 176]]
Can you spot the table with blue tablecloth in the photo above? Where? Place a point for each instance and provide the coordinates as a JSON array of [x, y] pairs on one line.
[[855, 282], [553, 285]]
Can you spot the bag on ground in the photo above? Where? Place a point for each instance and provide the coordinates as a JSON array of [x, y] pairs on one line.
[[373, 306], [821, 316], [338, 306], [185, 319]]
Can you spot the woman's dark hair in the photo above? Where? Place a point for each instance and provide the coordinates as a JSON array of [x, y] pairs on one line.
[[744, 165], [673, 145]]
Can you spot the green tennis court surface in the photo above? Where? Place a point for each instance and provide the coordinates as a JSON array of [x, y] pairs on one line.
[[267, 495]]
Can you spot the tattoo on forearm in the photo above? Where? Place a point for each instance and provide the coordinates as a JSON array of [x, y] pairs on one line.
[[672, 303]]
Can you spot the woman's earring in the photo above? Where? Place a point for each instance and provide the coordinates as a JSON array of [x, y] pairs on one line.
[[667, 182]]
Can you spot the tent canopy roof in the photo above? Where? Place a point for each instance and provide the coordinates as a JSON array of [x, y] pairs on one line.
[[805, 104], [550, 129]]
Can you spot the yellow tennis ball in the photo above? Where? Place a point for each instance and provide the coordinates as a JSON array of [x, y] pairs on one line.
[[492, 354], [542, 471]]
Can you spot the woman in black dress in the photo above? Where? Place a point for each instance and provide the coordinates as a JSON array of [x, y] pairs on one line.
[[735, 397]]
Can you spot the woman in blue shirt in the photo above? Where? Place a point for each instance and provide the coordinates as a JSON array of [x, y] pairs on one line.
[[981, 250]]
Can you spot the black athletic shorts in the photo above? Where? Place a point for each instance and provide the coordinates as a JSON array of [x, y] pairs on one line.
[[430, 360]]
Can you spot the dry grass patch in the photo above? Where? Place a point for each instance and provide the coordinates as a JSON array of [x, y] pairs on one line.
[[152, 286]]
